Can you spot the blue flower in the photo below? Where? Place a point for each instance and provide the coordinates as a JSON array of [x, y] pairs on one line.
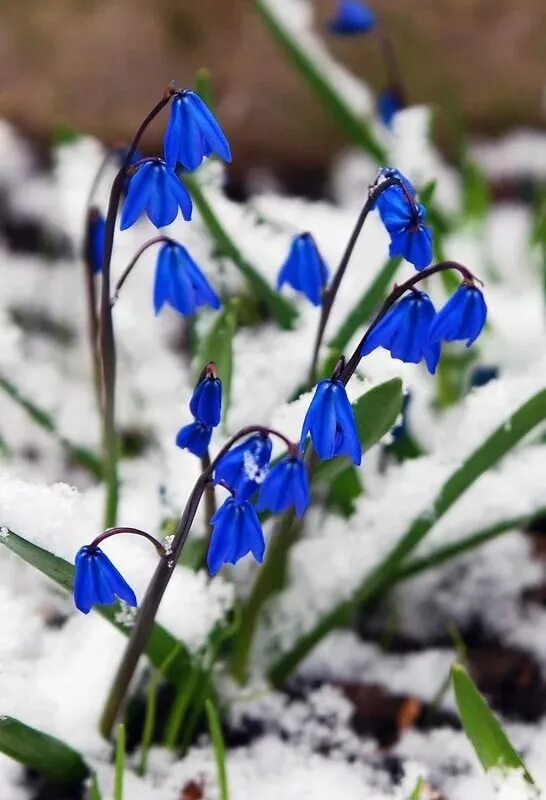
[[404, 331], [96, 233], [462, 317], [236, 532], [206, 401], [193, 133], [353, 17], [194, 437], [180, 282], [388, 105], [97, 581], [154, 188], [331, 422], [483, 374], [286, 484], [304, 269], [412, 240], [243, 468]]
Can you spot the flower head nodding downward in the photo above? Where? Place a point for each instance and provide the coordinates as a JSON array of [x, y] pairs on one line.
[[194, 437], [155, 189], [193, 133], [462, 317], [389, 103], [404, 331], [180, 282], [206, 400], [96, 233], [236, 532], [304, 269], [331, 423], [97, 581], [244, 468], [352, 17], [286, 484]]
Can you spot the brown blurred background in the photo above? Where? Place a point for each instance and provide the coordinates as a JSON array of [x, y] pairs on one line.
[[97, 65]]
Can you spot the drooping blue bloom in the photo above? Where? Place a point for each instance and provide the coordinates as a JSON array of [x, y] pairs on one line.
[[155, 189], [180, 282], [353, 17], [331, 423], [286, 484], [194, 437], [244, 467], [193, 133], [404, 330], [389, 103], [412, 240], [236, 532], [96, 234], [304, 269], [206, 401], [97, 581], [462, 317]]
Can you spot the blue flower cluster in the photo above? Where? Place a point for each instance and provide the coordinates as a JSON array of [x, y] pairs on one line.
[[206, 407]]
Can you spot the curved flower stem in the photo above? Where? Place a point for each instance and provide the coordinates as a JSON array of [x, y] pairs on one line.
[[160, 580], [161, 551], [107, 344], [330, 293], [210, 496], [128, 269], [395, 81], [351, 365]]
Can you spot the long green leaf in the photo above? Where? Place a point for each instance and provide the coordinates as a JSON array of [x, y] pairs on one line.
[[151, 707], [488, 738], [80, 455], [280, 308], [94, 788], [219, 748], [160, 643], [47, 755], [217, 346], [500, 442], [119, 771], [353, 124]]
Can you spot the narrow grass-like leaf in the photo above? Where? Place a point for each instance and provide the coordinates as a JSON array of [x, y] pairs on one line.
[[217, 346], [279, 308], [180, 706], [219, 748], [486, 735], [476, 193], [151, 706], [47, 755], [418, 790], [80, 455], [352, 123], [94, 789], [495, 446], [119, 767]]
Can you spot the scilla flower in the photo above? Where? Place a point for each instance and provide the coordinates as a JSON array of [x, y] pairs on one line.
[[409, 237], [155, 189], [206, 400], [193, 132], [404, 331], [331, 423], [243, 468], [194, 437], [236, 532], [389, 103], [352, 17], [304, 269], [285, 485], [96, 233], [462, 317], [97, 581], [180, 282]]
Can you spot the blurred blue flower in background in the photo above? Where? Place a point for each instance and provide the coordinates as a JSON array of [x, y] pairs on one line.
[[96, 233], [304, 269], [155, 189], [389, 103], [236, 532], [180, 282], [331, 423], [193, 133], [352, 17], [194, 437], [97, 581], [206, 400]]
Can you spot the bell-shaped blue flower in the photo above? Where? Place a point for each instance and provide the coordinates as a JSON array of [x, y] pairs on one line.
[[412, 240], [206, 400], [194, 437], [155, 189], [389, 103], [462, 317], [244, 467], [193, 132], [96, 233], [97, 581], [331, 423], [404, 331], [285, 485], [353, 17], [180, 282], [236, 531], [304, 269]]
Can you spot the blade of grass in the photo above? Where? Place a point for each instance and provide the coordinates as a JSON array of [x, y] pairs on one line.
[[219, 748], [120, 762], [151, 706], [94, 790]]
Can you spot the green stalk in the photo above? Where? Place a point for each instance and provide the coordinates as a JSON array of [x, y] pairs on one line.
[[219, 748]]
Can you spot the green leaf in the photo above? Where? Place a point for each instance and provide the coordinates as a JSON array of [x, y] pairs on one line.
[[151, 709], [344, 490], [352, 124], [418, 790], [283, 311], [119, 771], [475, 192], [366, 306], [217, 346], [203, 86], [47, 755], [488, 738], [219, 748], [160, 643], [94, 789], [80, 455]]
